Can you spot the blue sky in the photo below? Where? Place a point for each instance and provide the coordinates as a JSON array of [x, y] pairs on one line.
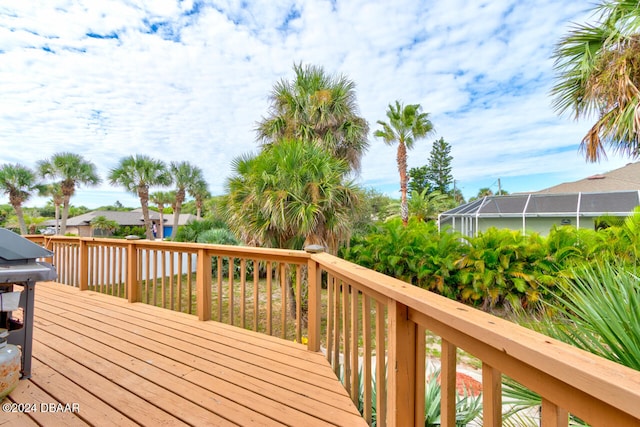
[[188, 80]]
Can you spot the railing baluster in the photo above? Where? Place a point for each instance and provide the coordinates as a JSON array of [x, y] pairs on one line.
[[491, 396], [269, 296], [172, 279], [330, 324], [299, 305], [219, 289], [336, 327], [283, 300], [366, 358], [256, 294], [552, 415], [231, 262], [448, 384], [179, 257], [163, 262], [355, 379], [243, 292], [381, 366], [346, 336], [189, 283]]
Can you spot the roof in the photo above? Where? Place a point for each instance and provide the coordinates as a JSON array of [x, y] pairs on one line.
[[624, 178], [549, 205], [123, 218]]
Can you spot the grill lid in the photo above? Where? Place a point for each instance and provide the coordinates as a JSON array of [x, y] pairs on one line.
[[14, 247]]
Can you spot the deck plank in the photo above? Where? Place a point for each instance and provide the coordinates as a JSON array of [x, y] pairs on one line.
[[138, 364]]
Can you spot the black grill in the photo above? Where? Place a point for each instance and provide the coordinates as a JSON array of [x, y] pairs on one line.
[[19, 271]]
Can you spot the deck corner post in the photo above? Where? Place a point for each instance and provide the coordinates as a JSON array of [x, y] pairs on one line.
[[84, 265], [132, 273], [314, 282], [403, 345], [203, 285]]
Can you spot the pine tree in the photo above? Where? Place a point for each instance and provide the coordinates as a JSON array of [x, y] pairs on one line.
[[439, 167]]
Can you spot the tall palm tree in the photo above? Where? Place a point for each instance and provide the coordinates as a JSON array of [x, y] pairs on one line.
[[18, 182], [317, 108], [291, 195], [73, 170], [407, 123], [598, 73], [187, 179], [136, 174], [162, 199], [57, 198]]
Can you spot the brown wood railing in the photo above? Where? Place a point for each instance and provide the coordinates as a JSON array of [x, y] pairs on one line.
[[370, 326]]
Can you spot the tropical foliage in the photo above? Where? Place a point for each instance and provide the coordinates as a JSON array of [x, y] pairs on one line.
[[316, 108], [19, 183], [498, 268], [73, 171], [137, 174], [188, 179], [291, 195], [598, 73]]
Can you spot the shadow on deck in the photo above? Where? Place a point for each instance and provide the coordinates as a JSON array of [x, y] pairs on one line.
[[116, 363]]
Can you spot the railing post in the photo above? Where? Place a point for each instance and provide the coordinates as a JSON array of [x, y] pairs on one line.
[[84, 265], [132, 273], [314, 282], [402, 367], [203, 285]]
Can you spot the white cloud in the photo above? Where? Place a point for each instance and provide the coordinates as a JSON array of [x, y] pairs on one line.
[[188, 80]]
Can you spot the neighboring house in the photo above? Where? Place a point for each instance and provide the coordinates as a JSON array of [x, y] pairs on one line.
[[578, 203], [81, 224]]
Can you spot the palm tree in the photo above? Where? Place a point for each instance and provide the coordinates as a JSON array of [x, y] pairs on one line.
[[18, 182], [136, 174], [317, 108], [291, 195], [106, 225], [162, 199], [406, 125], [200, 193], [57, 198], [187, 178], [73, 170], [598, 72]]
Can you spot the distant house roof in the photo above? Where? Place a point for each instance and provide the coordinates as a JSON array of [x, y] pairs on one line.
[[622, 179], [129, 218], [182, 219]]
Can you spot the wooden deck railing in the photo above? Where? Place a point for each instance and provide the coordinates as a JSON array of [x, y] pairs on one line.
[[370, 326]]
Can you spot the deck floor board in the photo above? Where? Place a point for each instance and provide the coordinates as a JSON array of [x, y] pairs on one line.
[[134, 364]]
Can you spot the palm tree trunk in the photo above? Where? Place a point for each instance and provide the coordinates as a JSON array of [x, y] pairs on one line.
[[176, 212], [20, 215], [143, 193], [57, 215], [65, 215], [402, 168]]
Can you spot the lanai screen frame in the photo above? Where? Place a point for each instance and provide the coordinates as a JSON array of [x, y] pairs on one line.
[[471, 213]]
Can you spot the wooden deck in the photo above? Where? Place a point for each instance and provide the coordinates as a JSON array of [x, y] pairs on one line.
[[133, 364]]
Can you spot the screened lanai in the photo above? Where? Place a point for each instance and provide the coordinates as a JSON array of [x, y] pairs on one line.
[[538, 212]]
